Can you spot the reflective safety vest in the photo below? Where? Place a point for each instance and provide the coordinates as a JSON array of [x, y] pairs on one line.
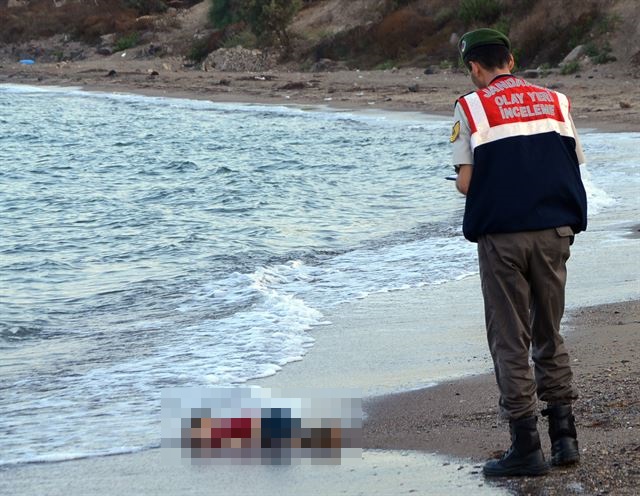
[[526, 175]]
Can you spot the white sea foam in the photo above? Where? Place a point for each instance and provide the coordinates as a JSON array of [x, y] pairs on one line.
[[75, 455], [597, 198]]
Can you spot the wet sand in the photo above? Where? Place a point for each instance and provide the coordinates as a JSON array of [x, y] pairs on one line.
[[461, 418]]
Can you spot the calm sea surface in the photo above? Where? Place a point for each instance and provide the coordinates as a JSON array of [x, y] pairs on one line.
[[150, 242]]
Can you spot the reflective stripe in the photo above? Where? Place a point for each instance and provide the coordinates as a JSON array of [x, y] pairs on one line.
[[521, 129], [565, 107], [465, 109], [482, 132], [477, 113]]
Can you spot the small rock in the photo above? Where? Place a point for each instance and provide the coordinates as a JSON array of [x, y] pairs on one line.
[[531, 74], [413, 88], [324, 65], [625, 105], [108, 39], [112, 73], [294, 85]]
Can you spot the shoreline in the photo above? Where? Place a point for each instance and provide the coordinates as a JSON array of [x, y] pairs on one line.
[[450, 429], [480, 433], [598, 100]]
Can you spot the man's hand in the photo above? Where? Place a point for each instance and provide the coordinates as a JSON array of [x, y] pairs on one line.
[[464, 178]]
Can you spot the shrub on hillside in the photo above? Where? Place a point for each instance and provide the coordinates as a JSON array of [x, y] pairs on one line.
[[479, 11], [570, 68], [401, 32], [202, 47], [146, 7], [599, 53], [268, 19], [575, 22], [125, 42], [223, 13]]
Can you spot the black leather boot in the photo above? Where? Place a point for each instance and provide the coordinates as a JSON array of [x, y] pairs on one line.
[[562, 431], [524, 457]]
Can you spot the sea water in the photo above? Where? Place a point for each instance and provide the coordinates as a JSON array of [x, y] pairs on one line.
[[151, 242]]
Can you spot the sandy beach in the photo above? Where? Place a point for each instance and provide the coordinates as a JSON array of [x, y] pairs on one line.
[[376, 343], [460, 418], [603, 97]]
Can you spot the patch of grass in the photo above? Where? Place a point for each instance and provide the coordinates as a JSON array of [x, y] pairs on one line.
[[599, 54], [385, 66], [570, 68], [244, 38], [483, 11], [545, 69], [125, 42]]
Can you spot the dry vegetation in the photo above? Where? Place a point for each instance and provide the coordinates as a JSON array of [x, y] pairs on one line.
[[362, 33], [424, 31], [80, 20]]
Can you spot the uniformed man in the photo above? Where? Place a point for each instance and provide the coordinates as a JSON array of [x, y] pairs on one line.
[[517, 155]]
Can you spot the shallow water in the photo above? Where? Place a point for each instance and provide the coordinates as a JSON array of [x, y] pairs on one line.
[[150, 242]]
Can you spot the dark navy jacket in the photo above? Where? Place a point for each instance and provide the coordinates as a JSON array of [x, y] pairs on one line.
[[526, 175]]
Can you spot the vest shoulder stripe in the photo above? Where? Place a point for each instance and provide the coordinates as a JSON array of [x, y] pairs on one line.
[[465, 108]]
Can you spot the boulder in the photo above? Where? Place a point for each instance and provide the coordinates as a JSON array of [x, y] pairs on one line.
[[108, 39], [574, 54], [240, 59]]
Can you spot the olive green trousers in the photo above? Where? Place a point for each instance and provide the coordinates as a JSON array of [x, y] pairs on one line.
[[523, 279]]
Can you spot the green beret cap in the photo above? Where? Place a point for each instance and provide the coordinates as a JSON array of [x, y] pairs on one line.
[[481, 37]]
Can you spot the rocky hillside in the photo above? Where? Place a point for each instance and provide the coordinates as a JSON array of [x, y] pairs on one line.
[[327, 33], [420, 32]]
